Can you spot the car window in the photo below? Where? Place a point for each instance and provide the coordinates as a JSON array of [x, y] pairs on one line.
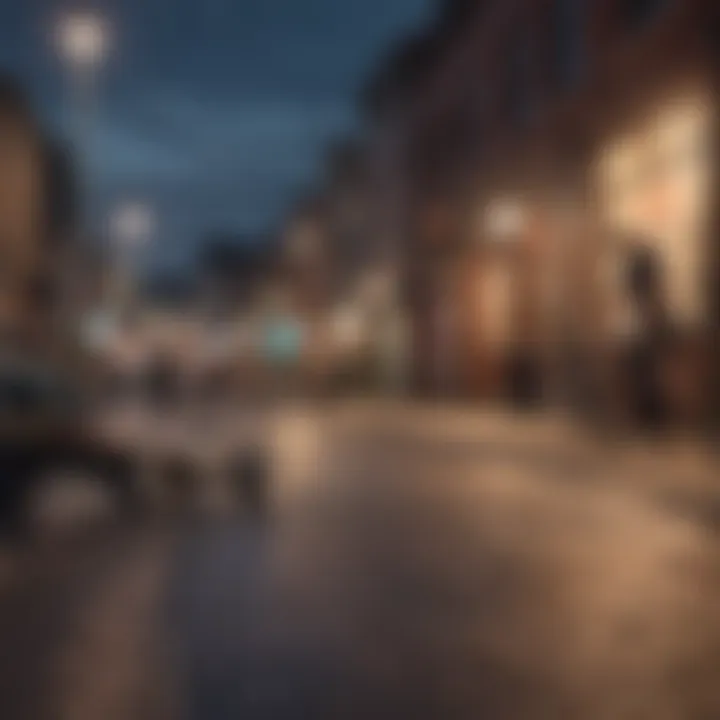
[[34, 393]]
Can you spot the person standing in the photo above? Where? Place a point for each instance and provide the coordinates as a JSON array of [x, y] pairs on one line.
[[650, 345]]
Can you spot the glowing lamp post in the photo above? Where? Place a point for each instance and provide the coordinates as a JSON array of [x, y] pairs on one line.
[[131, 227], [82, 41], [503, 221]]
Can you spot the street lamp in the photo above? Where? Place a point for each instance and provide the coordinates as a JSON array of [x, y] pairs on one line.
[[348, 327], [504, 220], [131, 227], [82, 41]]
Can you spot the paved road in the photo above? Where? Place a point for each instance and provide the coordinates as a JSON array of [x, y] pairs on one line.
[[416, 563]]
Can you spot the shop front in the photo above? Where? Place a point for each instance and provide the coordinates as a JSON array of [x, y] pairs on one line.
[[434, 330], [536, 302], [491, 297], [505, 318], [654, 184]]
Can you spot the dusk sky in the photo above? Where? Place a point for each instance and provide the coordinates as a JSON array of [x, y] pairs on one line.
[[215, 112]]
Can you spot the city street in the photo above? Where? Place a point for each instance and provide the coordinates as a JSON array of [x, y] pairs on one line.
[[275, 275], [415, 562]]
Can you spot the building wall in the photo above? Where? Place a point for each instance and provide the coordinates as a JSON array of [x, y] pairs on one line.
[[23, 314], [545, 109]]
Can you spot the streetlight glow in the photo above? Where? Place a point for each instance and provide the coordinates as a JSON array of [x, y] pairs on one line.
[[504, 220], [82, 40], [132, 224], [130, 227]]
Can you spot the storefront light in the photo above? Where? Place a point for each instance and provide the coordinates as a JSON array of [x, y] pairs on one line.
[[504, 220], [348, 327]]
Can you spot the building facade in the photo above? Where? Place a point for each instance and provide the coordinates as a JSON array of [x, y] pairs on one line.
[[550, 142], [23, 310], [42, 281]]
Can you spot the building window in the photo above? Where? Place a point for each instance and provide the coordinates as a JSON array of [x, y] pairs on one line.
[[569, 24], [636, 14], [520, 78]]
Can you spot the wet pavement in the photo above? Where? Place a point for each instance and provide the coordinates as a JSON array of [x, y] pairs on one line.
[[419, 563]]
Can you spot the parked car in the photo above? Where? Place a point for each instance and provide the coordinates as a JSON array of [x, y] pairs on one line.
[[46, 430]]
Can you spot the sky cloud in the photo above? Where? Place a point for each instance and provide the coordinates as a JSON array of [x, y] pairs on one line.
[[215, 112], [224, 164]]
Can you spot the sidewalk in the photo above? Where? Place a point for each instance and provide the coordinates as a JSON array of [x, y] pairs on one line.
[[681, 474]]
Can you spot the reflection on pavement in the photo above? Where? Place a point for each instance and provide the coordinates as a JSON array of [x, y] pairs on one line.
[[424, 564]]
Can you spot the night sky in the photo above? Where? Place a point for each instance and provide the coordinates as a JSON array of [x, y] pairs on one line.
[[216, 112]]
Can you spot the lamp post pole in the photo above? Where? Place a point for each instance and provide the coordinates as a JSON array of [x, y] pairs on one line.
[[131, 227], [81, 41]]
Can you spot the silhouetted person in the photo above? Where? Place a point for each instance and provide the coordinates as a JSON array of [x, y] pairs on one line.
[[524, 379], [651, 343]]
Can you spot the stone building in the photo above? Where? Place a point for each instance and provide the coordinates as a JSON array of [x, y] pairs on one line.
[[38, 213], [548, 142], [23, 287]]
